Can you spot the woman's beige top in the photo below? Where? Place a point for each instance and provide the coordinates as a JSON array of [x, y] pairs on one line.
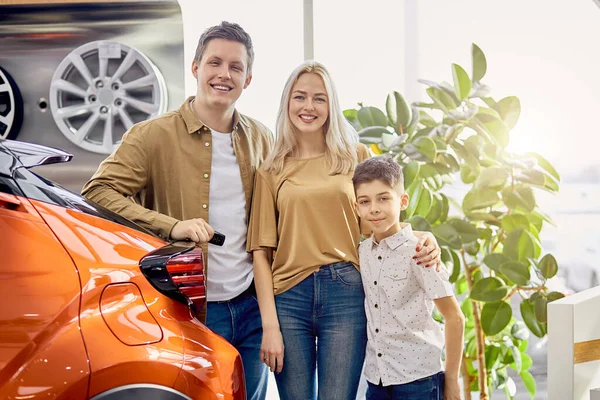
[[307, 216]]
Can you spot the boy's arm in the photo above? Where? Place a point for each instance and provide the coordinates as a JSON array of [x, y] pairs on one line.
[[454, 327]]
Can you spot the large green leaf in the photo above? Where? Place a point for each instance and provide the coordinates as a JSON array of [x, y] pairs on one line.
[[521, 198], [441, 99], [468, 233], [529, 382], [419, 223], [456, 267], [493, 178], [372, 132], [548, 266], [541, 308], [489, 290], [468, 174], [410, 171], [495, 260], [398, 111], [426, 146], [492, 356], [447, 235], [495, 317], [544, 164], [479, 62], [528, 314], [432, 176], [435, 212], [514, 222], [521, 245], [371, 116], [517, 272], [414, 196], [462, 152], [515, 353], [445, 207], [350, 115], [509, 109], [478, 199], [462, 83], [424, 204]]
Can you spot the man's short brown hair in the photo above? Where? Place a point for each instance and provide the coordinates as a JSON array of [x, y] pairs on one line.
[[382, 169], [228, 31]]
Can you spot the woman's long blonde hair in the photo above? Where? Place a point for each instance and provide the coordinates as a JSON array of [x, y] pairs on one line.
[[340, 137]]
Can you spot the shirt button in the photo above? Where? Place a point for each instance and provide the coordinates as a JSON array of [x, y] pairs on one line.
[[206, 176], [377, 330], [205, 128], [379, 354], [206, 144], [376, 305], [375, 283], [379, 257], [204, 206]]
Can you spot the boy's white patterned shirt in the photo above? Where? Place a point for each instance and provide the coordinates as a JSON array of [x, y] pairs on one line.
[[404, 342]]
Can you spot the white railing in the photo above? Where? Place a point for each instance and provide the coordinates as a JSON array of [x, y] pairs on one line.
[[574, 347]]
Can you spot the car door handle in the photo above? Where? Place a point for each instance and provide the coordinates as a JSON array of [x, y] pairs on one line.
[[9, 201]]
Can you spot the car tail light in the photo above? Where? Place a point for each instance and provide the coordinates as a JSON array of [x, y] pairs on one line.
[[177, 272]]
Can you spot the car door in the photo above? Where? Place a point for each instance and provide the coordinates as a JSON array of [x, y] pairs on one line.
[[42, 354]]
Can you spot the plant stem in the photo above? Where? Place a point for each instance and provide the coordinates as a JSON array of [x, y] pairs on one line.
[[482, 371], [466, 379]]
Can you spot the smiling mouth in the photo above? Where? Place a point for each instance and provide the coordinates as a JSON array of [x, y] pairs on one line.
[[376, 221], [221, 88], [307, 118]]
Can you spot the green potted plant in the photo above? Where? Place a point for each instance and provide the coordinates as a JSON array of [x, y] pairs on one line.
[[490, 237]]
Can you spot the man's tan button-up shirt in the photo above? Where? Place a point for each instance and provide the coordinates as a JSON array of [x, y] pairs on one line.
[[160, 174]]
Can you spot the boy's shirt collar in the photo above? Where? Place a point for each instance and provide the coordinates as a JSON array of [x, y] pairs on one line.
[[397, 239]]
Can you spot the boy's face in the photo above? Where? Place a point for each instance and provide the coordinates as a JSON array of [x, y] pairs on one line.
[[379, 206], [222, 73]]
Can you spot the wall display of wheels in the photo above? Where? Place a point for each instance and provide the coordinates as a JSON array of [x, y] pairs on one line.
[[11, 106], [100, 90]]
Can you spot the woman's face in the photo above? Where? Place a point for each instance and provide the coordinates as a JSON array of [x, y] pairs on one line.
[[309, 105]]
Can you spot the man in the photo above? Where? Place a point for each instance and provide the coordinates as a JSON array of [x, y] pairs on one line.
[[196, 165]]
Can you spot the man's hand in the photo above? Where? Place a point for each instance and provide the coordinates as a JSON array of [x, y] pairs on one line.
[[196, 230]]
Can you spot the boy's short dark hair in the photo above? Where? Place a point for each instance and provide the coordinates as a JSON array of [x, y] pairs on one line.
[[228, 31], [382, 169]]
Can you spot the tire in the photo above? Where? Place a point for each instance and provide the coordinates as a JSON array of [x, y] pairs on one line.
[[11, 106]]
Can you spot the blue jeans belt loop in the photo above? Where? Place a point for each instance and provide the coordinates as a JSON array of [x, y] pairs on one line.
[[333, 272]]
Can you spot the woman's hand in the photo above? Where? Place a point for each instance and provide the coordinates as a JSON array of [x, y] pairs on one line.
[[271, 349], [427, 251]]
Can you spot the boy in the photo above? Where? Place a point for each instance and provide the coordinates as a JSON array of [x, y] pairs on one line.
[[405, 344]]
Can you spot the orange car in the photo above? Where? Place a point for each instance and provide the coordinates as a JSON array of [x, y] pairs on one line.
[[92, 305]]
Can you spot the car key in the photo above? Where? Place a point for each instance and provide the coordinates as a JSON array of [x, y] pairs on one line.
[[218, 239]]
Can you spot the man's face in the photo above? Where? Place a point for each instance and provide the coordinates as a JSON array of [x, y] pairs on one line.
[[379, 206], [222, 73]]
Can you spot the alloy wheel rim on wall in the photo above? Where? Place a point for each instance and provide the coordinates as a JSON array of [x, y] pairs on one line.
[[100, 90], [11, 106]]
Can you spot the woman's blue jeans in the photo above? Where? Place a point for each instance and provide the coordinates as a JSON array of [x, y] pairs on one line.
[[323, 324]]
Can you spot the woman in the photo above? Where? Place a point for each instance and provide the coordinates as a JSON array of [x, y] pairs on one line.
[[310, 294]]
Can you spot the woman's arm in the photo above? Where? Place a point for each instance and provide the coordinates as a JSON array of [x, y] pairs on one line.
[[271, 349], [454, 322]]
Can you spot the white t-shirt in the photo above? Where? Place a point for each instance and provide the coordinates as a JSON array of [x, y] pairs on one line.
[[404, 342], [230, 265]]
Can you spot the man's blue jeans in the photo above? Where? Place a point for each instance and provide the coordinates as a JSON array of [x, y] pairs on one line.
[[430, 388], [323, 324], [238, 321]]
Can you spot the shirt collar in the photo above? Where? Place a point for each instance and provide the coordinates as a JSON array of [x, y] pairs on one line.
[[397, 239], [192, 122]]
